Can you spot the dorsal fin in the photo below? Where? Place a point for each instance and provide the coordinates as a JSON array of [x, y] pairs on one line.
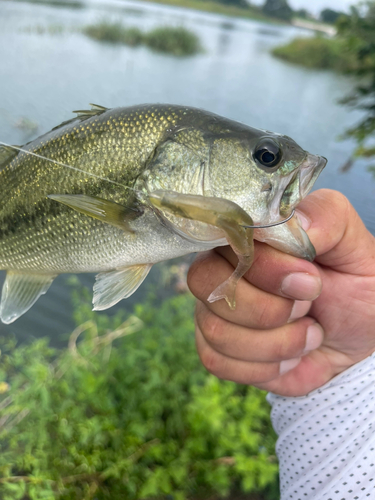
[[95, 110], [83, 114], [7, 154]]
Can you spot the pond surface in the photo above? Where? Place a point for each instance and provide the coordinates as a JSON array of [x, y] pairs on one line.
[[48, 68]]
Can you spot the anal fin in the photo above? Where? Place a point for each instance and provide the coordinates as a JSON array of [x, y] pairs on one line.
[[113, 286], [20, 292]]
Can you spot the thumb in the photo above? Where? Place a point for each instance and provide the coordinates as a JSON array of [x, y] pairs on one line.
[[339, 236]]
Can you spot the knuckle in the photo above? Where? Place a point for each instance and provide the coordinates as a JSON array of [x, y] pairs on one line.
[[262, 373], [284, 349], [272, 313], [213, 328], [210, 360], [291, 341]]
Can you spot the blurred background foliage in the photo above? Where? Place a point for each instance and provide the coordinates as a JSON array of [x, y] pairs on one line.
[[351, 51], [127, 411]]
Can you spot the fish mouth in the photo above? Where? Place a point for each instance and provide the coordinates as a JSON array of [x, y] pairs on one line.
[[302, 182], [290, 237]]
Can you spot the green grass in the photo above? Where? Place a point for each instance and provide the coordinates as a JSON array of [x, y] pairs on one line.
[[70, 4], [177, 41], [250, 12], [319, 53]]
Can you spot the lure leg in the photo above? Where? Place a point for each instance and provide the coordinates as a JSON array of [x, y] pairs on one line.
[[223, 214]]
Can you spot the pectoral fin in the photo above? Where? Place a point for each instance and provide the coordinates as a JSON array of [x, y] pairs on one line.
[[113, 286], [104, 210], [20, 292]]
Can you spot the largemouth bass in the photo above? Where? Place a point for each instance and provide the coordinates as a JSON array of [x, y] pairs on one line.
[[114, 191]]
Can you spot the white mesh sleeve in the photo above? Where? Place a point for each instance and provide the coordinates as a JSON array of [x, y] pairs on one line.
[[326, 444]]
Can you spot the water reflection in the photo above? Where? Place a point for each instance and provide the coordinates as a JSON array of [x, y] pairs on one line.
[[223, 43], [270, 32]]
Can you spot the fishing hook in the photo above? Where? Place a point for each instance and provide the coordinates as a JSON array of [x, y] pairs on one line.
[[274, 224]]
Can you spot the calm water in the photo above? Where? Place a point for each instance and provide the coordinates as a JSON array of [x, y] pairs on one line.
[[45, 76]]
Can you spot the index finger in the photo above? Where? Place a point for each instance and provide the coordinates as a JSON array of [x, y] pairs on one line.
[[335, 231]]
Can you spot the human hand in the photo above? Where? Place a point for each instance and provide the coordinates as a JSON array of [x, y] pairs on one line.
[[297, 324]]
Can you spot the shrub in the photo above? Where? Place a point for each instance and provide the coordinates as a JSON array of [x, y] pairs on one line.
[[120, 415]]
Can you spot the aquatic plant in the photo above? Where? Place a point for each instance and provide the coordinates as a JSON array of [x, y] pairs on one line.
[[114, 32], [127, 411], [39, 29], [172, 40]]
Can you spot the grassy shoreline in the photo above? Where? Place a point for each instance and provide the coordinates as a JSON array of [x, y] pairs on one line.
[[318, 53], [216, 8], [251, 12]]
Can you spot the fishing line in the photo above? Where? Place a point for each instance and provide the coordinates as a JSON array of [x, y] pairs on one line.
[[17, 148], [63, 164]]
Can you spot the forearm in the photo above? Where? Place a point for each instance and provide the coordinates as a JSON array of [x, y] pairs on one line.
[[326, 444]]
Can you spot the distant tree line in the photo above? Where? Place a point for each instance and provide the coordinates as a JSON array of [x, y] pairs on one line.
[[235, 3], [279, 9], [330, 16]]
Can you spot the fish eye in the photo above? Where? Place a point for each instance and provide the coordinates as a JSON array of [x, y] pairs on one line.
[[267, 153]]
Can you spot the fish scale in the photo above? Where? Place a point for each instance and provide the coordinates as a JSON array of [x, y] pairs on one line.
[[84, 203]]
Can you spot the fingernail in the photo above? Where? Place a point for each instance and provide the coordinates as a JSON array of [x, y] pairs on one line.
[[314, 337], [289, 364], [299, 310], [304, 220], [301, 286]]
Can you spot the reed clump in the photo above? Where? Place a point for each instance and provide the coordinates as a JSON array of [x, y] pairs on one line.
[[177, 41]]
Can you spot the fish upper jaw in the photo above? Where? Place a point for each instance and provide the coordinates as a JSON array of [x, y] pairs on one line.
[[310, 170], [300, 183]]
